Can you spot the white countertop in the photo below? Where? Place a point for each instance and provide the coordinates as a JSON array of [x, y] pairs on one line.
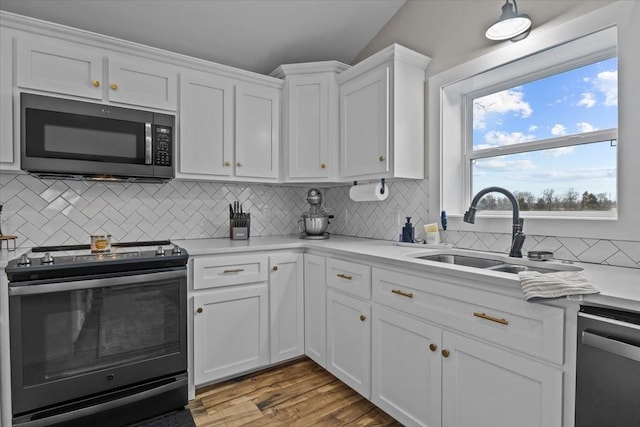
[[619, 286]]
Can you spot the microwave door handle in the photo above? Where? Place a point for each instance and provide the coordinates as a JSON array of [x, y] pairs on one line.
[[147, 143]]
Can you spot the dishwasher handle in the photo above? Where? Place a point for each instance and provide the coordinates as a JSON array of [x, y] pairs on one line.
[[611, 345]]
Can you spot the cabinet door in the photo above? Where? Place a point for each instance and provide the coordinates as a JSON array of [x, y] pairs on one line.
[[257, 131], [483, 386], [286, 303], [143, 83], [406, 374], [9, 154], [315, 309], [230, 331], [364, 124], [349, 341], [308, 126], [206, 125], [59, 66]]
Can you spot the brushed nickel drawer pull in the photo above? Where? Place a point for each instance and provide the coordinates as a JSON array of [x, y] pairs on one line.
[[402, 293], [235, 270], [491, 318], [344, 276]]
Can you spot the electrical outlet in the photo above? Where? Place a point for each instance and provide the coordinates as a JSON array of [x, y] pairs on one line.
[[346, 215], [399, 218], [266, 213]]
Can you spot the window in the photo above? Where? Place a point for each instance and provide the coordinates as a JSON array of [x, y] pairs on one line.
[[601, 38], [552, 141]]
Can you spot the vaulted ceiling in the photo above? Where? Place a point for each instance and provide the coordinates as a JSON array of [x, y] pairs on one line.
[[255, 35]]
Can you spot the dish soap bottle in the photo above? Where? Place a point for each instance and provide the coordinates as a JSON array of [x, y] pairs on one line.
[[408, 231]]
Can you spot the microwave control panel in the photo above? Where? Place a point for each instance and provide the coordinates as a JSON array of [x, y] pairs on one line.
[[162, 146]]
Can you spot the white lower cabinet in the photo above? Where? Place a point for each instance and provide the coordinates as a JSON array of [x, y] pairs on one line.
[[440, 360], [406, 380], [349, 341], [231, 333], [426, 376], [315, 309], [246, 318], [486, 386], [286, 305]]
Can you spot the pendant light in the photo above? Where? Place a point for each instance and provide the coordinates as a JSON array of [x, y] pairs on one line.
[[512, 25]]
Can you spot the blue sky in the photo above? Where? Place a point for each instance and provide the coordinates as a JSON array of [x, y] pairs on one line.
[[580, 100]]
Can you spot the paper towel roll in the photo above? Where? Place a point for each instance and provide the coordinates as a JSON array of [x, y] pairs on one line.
[[368, 192]]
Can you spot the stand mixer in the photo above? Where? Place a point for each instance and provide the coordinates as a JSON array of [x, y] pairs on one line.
[[314, 222]]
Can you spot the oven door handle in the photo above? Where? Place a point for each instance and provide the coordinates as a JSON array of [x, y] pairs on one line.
[[90, 410], [135, 279], [611, 345]]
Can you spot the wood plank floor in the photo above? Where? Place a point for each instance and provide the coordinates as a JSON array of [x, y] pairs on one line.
[[299, 393]]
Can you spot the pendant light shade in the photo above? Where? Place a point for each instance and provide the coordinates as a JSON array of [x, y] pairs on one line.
[[512, 25]]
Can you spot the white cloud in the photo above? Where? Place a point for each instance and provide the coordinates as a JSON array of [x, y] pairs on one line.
[[496, 138], [558, 130], [499, 164], [607, 83], [588, 100], [557, 152], [585, 127], [575, 174], [506, 101], [533, 128]]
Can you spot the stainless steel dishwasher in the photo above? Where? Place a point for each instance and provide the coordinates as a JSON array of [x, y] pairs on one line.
[[608, 368]]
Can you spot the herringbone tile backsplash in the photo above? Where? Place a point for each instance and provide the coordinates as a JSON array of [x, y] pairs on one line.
[[55, 212], [379, 220]]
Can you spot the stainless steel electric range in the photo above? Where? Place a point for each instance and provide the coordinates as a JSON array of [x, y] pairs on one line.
[[97, 338]]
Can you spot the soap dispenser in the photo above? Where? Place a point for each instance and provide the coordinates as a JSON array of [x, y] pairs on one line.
[[408, 231]]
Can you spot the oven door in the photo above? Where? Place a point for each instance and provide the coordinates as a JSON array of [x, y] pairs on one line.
[[75, 339]]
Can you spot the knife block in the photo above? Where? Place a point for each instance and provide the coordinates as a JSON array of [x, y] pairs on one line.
[[239, 229]]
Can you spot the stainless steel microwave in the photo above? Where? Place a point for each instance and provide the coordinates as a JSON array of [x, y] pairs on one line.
[[63, 138]]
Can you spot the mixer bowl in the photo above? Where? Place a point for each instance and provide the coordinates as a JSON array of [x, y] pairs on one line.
[[315, 225]]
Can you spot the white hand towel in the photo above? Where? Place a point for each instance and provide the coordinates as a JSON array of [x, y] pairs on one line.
[[554, 285]]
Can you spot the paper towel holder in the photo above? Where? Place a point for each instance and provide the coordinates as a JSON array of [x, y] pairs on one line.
[[381, 185]]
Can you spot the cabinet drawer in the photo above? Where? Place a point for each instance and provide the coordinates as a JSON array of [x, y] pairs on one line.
[[534, 329], [212, 272], [349, 277]]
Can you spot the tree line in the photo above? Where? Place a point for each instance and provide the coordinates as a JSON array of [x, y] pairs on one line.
[[550, 200]]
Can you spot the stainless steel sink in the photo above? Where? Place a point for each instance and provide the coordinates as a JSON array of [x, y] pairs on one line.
[[517, 268], [493, 262], [467, 261]]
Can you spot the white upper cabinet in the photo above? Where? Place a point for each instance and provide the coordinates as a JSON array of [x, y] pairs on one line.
[[382, 116], [9, 150], [59, 66], [74, 69], [144, 83], [365, 124], [229, 129], [206, 126], [310, 121], [257, 131]]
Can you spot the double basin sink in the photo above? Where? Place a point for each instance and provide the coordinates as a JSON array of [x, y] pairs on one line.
[[492, 262]]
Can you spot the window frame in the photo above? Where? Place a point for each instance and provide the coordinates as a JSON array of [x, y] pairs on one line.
[[469, 154], [447, 110]]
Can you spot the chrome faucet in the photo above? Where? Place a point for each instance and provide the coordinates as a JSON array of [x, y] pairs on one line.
[[517, 236]]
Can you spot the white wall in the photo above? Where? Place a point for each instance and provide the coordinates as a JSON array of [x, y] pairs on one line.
[[452, 31]]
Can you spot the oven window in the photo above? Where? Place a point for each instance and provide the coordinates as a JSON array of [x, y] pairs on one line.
[[71, 333], [73, 136]]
